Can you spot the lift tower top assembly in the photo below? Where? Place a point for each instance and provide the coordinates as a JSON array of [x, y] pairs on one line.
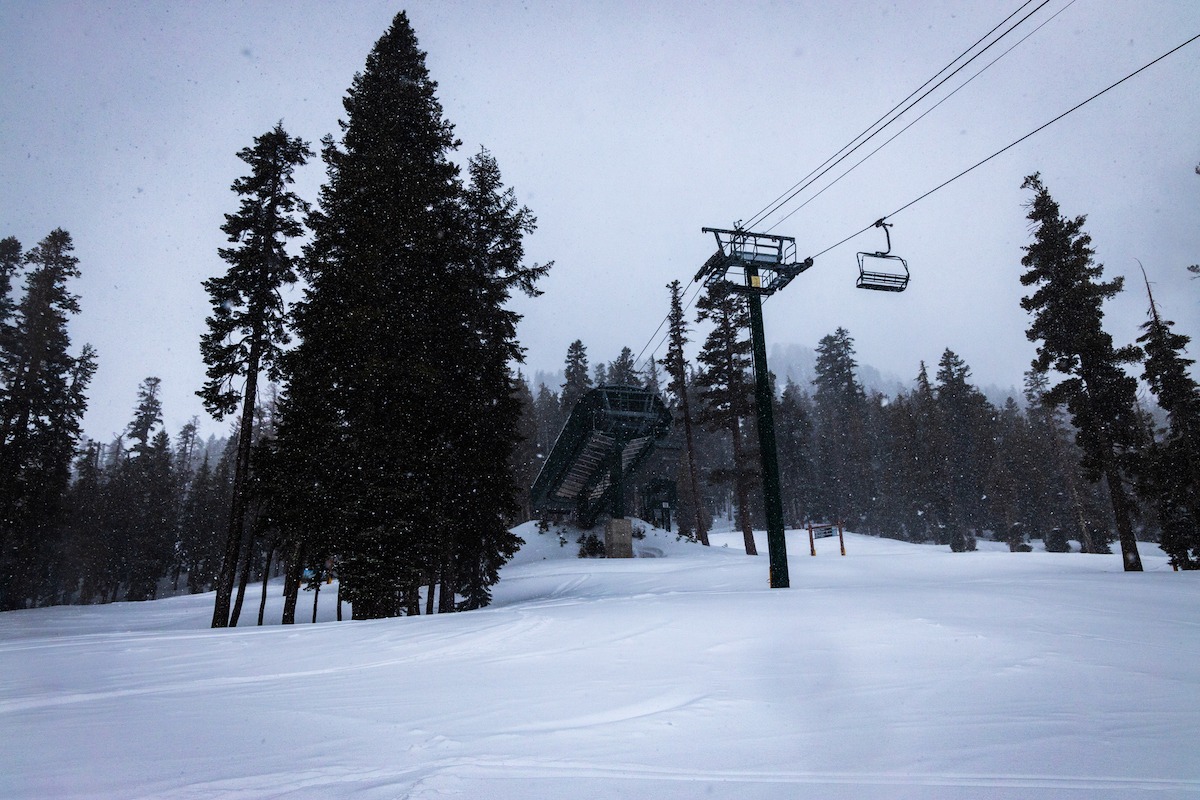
[[751, 263], [757, 265]]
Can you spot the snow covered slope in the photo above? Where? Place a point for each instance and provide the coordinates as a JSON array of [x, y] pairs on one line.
[[897, 671]]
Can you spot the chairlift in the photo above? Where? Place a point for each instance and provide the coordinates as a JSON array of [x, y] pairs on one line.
[[881, 271]]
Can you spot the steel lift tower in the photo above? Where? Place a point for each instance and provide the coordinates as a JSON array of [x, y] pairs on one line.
[[757, 265]]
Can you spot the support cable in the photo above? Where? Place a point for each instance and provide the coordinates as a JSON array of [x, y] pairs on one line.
[[851, 146], [805, 183], [663, 338], [760, 213], [896, 135], [1013, 144]]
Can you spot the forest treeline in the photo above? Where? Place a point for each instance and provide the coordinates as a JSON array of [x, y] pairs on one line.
[[380, 428]]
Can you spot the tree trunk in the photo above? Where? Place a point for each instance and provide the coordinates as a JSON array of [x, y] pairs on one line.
[[412, 599], [241, 471], [743, 492], [243, 579], [701, 532], [1122, 511], [429, 595], [446, 592], [292, 584], [446, 575], [316, 594], [262, 603]]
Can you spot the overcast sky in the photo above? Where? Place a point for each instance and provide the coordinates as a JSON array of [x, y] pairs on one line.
[[625, 127]]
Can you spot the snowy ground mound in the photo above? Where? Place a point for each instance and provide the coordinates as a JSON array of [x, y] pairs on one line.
[[899, 670]]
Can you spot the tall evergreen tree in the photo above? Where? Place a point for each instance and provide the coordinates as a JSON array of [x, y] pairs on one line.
[[246, 328], [147, 415], [623, 371], [548, 412], [1067, 509], [10, 266], [1007, 474], [578, 380], [525, 462], [648, 376], [1173, 473], [155, 517], [200, 528], [492, 268], [83, 524], [146, 481], [727, 394], [967, 418], [675, 363], [1067, 323], [927, 469], [840, 406], [793, 427], [42, 405], [399, 418], [900, 515]]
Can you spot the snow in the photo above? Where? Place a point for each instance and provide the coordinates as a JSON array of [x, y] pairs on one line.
[[896, 671]]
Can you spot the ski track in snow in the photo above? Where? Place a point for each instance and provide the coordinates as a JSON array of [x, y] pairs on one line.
[[897, 671]]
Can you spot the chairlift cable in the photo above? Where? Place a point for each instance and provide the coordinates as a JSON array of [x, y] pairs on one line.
[[656, 330], [826, 166], [1048, 124], [664, 337], [823, 171], [886, 122], [759, 215], [896, 135], [1013, 144]]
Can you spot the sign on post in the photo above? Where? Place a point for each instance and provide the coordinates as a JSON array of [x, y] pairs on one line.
[[824, 530]]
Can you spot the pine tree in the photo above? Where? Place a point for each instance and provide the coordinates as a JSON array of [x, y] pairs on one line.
[[548, 411], [246, 329], [201, 525], [399, 418], [43, 403], [10, 266], [495, 227], [1172, 477], [968, 430], [623, 371], [840, 406], [1008, 472], [920, 463], [156, 516], [187, 451], [727, 394], [524, 462], [83, 523], [675, 363], [578, 381], [1065, 504], [151, 488], [1067, 322], [901, 479], [793, 427], [147, 415], [648, 377], [113, 531]]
